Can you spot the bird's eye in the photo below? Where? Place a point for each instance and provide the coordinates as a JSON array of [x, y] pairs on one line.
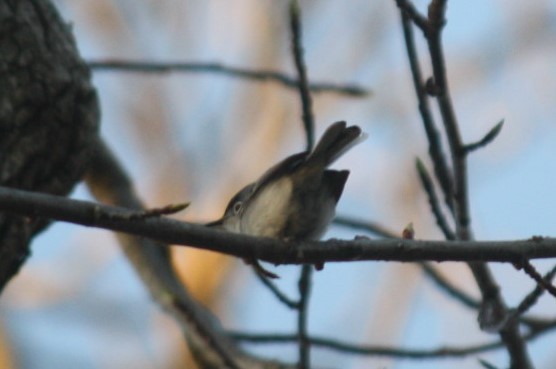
[[237, 207]]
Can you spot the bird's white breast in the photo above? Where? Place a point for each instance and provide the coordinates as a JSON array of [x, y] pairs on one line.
[[267, 213]]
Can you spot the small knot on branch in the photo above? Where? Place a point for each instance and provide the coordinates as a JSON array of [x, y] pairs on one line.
[[432, 88]]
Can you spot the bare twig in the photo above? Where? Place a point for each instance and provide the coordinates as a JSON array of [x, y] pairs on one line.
[[302, 334], [303, 86], [428, 186], [492, 300], [442, 283], [488, 138], [199, 67], [207, 333], [533, 273], [534, 295], [436, 152], [438, 87], [428, 269], [409, 10], [368, 350], [305, 279], [276, 292], [487, 365], [156, 212], [272, 250], [436, 22], [466, 299], [108, 182], [373, 228], [452, 290]]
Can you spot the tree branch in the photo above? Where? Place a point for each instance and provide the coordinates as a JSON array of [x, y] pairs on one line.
[[107, 181], [544, 283], [351, 90], [384, 351], [493, 310], [305, 284], [488, 138], [451, 290], [534, 295], [371, 227], [303, 86], [436, 22], [276, 292], [436, 152], [305, 278], [207, 340], [493, 314], [432, 273], [409, 11], [272, 250], [428, 186]]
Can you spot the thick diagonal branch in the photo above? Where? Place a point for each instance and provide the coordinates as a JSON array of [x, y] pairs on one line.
[[169, 231], [209, 343]]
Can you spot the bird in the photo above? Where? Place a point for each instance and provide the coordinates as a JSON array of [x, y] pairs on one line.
[[296, 198]]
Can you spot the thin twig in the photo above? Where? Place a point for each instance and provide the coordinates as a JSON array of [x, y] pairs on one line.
[[368, 350], [441, 170], [488, 138], [276, 292], [199, 67], [487, 365], [436, 22], [428, 186], [533, 296], [108, 182], [442, 283], [431, 272], [171, 231], [491, 298], [428, 269], [373, 228], [409, 10], [309, 124], [303, 86], [206, 333], [533, 273], [438, 86], [156, 212], [302, 334]]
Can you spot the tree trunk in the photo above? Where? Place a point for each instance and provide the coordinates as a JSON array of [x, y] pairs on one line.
[[48, 116]]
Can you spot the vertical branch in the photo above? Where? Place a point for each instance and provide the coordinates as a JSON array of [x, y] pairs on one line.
[[493, 315], [492, 300], [441, 90], [308, 122], [428, 186], [435, 145], [302, 334], [304, 94]]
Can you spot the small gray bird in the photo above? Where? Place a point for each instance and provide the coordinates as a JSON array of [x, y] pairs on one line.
[[296, 198]]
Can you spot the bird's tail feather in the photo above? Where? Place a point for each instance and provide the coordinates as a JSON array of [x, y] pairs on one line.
[[335, 141]]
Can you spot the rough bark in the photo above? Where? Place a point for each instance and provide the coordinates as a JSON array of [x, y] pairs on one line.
[[48, 115]]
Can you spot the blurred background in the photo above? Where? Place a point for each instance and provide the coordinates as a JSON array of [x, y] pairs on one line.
[[201, 137]]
